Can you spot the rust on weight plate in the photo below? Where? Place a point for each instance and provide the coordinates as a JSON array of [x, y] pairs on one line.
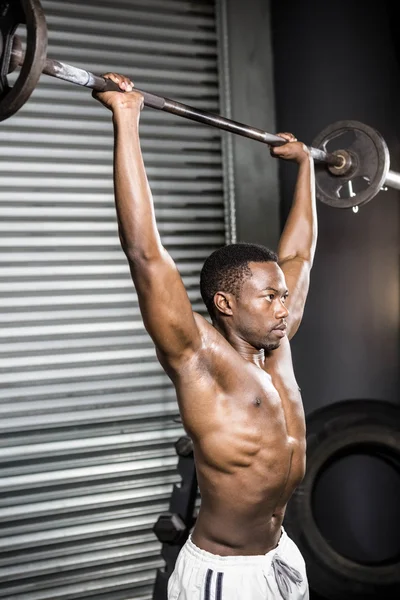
[[14, 13]]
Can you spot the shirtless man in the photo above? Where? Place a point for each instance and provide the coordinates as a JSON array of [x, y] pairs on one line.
[[234, 379]]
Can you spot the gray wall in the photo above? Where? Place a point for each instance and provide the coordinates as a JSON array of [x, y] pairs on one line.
[[331, 64], [87, 415], [255, 175]]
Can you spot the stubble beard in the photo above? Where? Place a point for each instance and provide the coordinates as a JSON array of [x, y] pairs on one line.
[[270, 346]]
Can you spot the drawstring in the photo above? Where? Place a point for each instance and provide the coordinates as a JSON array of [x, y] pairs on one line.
[[284, 575]]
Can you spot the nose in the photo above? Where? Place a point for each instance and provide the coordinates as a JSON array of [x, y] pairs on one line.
[[281, 311]]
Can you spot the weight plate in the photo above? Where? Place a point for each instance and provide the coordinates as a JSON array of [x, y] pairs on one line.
[[370, 165], [14, 13]]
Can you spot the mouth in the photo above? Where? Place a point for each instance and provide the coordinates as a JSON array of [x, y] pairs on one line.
[[280, 331]]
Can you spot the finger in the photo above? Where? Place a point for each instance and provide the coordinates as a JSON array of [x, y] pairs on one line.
[[280, 150], [280, 147], [124, 83], [124, 78], [113, 76], [117, 79], [127, 84], [289, 137]]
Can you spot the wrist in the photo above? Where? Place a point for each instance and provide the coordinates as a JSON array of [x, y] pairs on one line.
[[125, 117], [305, 159]]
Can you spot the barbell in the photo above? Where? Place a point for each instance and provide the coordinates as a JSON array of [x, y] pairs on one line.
[[347, 175]]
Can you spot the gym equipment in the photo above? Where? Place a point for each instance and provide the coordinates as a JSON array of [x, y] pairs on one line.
[[365, 161], [11, 15], [184, 446], [169, 528], [172, 528], [346, 429]]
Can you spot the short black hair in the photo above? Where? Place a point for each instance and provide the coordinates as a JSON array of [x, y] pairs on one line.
[[227, 268]]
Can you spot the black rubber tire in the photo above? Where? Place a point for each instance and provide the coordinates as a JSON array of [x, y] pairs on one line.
[[338, 429]]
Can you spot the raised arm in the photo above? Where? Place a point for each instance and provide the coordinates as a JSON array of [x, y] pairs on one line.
[[299, 237], [164, 303]]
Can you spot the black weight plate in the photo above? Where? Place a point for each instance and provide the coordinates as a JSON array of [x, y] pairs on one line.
[[343, 429], [13, 13], [371, 163]]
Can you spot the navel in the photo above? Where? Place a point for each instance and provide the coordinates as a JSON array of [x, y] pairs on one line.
[[257, 402]]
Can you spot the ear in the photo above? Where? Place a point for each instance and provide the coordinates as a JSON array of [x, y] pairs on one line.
[[224, 303]]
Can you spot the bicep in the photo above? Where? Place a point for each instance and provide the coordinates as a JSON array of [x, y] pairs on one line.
[[165, 306], [297, 276]]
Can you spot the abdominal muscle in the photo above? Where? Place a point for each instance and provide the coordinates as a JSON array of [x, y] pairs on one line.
[[243, 502]]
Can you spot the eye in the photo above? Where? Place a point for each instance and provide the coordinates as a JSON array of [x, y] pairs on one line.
[[270, 297], [284, 298]]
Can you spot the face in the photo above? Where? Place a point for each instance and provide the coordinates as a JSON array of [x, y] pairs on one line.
[[259, 314]]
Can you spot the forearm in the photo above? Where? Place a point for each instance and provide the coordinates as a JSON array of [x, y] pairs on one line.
[[299, 236], [133, 199]]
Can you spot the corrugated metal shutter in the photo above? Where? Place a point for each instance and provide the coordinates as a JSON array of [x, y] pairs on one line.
[[87, 415]]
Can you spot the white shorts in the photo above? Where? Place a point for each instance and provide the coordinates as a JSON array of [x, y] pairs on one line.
[[279, 574]]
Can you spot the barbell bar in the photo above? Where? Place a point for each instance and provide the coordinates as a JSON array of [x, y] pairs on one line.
[[366, 159], [66, 72]]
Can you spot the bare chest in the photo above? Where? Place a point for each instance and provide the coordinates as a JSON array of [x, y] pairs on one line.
[[246, 403], [255, 423], [270, 402]]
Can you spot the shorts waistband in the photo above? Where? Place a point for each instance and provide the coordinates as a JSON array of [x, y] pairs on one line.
[[220, 562]]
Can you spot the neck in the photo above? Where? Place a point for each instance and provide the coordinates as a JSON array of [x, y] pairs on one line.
[[242, 347]]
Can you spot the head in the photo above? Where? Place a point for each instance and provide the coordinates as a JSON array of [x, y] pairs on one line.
[[244, 290]]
